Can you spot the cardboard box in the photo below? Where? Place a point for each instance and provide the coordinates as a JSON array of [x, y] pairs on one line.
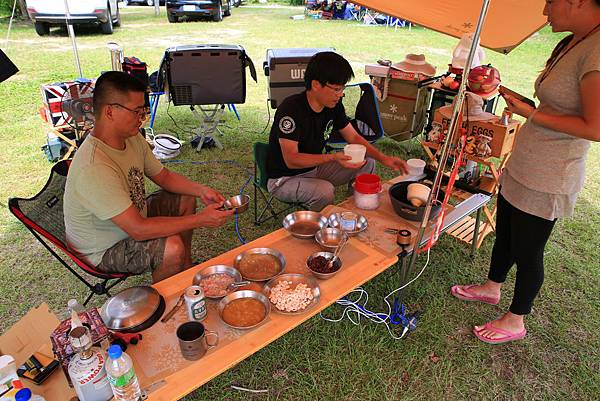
[[503, 136], [32, 334], [378, 70]]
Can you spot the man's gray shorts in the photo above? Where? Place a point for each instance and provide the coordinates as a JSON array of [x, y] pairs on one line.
[[136, 257], [316, 187]]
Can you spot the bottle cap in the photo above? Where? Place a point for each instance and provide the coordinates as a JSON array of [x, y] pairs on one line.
[[74, 305], [23, 395], [115, 351], [16, 384]]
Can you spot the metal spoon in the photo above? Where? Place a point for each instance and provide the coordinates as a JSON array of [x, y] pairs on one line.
[[233, 286], [336, 253]]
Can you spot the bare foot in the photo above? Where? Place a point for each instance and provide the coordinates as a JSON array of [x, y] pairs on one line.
[[509, 322]]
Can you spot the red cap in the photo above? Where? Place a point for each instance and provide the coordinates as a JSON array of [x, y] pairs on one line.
[[367, 184]]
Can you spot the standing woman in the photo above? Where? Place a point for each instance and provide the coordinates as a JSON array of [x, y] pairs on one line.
[[547, 168]]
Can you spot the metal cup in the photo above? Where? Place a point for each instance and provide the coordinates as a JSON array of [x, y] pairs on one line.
[[193, 341]]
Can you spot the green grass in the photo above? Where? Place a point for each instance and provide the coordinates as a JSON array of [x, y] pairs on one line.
[[441, 360]]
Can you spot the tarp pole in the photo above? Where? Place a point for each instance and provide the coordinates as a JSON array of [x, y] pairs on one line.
[[156, 8], [72, 36], [453, 131]]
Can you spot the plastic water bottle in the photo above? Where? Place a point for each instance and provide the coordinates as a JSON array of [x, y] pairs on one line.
[[121, 375]]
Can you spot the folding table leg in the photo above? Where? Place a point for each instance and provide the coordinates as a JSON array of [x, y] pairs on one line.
[[476, 233]]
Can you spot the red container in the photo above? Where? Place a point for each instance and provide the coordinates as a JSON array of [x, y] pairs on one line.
[[367, 184]]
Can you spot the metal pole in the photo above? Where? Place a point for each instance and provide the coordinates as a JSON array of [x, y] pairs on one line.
[[72, 36], [452, 131], [156, 8]]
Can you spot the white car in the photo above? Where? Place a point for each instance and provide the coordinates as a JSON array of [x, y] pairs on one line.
[[46, 13]]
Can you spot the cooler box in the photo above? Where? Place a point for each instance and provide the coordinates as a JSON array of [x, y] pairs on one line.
[[284, 69], [207, 74], [403, 100]]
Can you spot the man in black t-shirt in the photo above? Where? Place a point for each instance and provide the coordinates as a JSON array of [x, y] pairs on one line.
[[298, 169]]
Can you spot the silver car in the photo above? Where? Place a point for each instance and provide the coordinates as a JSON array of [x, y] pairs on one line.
[[47, 13]]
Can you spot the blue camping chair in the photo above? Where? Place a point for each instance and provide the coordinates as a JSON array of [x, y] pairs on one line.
[[363, 110]]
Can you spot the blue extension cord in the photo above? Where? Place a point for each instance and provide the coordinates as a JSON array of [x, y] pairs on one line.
[[233, 162], [354, 309]]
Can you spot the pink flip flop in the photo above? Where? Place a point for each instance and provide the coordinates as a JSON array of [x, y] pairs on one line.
[[472, 297], [507, 336]]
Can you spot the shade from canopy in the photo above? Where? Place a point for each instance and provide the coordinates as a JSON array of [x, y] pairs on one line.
[[508, 22]]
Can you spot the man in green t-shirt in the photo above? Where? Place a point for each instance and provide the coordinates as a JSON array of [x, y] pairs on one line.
[[109, 220]]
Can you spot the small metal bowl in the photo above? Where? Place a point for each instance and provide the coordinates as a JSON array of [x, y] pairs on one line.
[[361, 223], [295, 279], [217, 269], [329, 238], [264, 251], [304, 224], [239, 202], [244, 294], [337, 264]]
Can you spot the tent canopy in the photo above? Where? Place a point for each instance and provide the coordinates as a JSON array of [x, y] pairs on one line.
[[508, 22]]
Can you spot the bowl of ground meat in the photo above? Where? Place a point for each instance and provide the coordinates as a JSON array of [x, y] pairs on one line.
[[318, 264], [216, 280]]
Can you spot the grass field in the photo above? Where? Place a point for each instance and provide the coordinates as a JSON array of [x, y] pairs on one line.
[[441, 360]]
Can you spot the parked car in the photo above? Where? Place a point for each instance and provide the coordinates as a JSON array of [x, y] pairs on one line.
[[47, 13], [143, 2], [216, 9]]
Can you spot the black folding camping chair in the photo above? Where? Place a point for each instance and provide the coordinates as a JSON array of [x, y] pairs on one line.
[[43, 217], [361, 107]]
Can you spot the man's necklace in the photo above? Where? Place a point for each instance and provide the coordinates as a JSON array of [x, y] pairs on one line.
[[555, 62]]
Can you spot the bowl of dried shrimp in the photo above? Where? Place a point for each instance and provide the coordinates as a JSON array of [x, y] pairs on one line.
[[292, 294]]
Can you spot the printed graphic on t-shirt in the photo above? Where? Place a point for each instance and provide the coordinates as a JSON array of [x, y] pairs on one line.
[[287, 125], [137, 191], [328, 130]]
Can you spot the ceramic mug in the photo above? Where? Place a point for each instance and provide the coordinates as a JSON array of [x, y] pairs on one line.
[[418, 194], [356, 151], [193, 341], [415, 166]]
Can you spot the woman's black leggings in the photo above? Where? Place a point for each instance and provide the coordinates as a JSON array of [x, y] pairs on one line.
[[520, 238]]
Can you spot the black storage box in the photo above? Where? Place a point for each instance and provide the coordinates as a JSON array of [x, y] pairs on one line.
[[207, 74], [284, 69], [136, 68]]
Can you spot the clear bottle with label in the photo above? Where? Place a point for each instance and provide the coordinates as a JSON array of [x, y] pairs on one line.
[[87, 368], [121, 375]]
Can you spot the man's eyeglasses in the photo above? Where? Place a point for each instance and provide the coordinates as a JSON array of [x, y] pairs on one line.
[[142, 113], [336, 89]]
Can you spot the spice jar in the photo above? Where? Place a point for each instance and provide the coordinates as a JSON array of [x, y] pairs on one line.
[[348, 221], [367, 188]]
